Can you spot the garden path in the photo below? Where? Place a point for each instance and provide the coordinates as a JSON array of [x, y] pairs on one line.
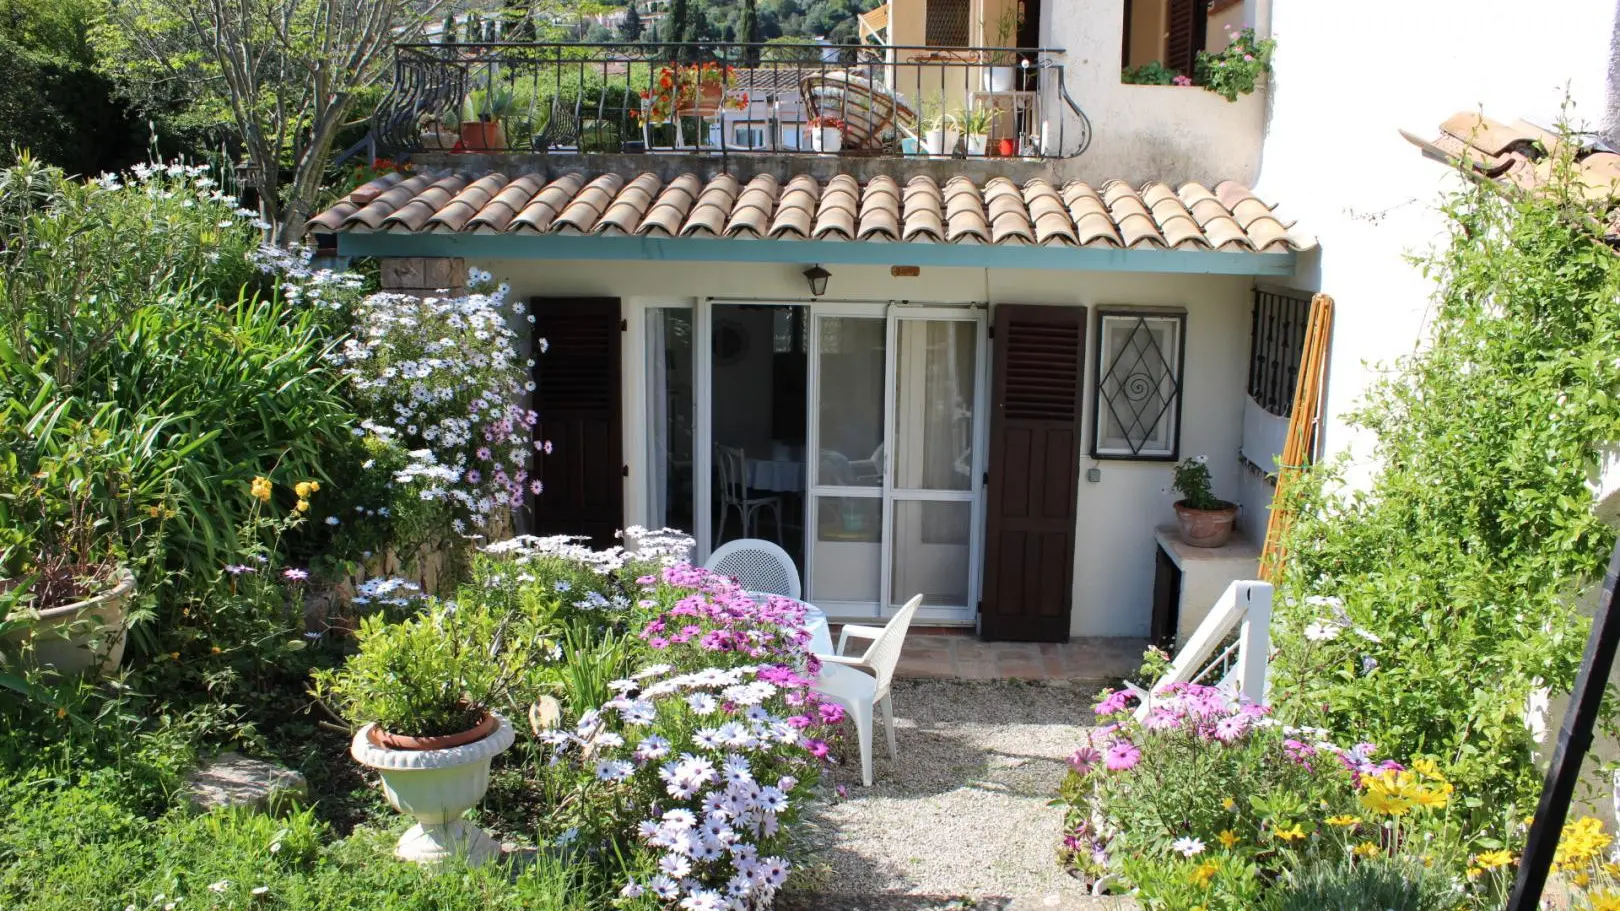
[[962, 820]]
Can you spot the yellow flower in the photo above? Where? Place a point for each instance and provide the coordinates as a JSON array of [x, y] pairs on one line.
[[1582, 840], [303, 506], [1380, 801], [1605, 901], [1581, 880], [214, 649], [174, 656], [1203, 874], [303, 489], [61, 712], [1428, 768], [1490, 860], [1228, 839], [1430, 798], [1293, 834], [261, 489], [1474, 872], [314, 486], [154, 511], [1228, 804], [1367, 849], [1344, 822]]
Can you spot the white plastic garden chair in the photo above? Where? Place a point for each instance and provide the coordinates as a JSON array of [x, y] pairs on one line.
[[758, 565], [862, 684]]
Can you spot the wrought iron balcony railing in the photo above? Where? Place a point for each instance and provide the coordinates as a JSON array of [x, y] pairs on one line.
[[730, 99]]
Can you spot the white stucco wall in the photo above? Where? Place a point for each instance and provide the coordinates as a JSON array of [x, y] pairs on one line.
[[1148, 132], [1345, 82], [1117, 515]]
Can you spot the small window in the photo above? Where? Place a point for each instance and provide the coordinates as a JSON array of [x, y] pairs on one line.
[[948, 23], [748, 137], [1138, 406]]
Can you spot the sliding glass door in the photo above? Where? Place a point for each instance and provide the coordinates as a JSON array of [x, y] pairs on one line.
[[935, 489]]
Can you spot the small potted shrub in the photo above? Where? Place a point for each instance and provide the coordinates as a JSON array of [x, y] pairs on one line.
[[66, 508], [1236, 69], [427, 689], [826, 134], [482, 118], [1205, 520], [976, 123], [939, 129], [1000, 74]]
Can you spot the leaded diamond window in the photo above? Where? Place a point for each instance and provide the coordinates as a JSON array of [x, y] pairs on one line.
[[1138, 406]]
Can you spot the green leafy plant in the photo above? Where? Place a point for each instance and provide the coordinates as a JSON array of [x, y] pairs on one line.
[[1002, 34], [977, 120], [1152, 73], [1378, 884], [1422, 611], [435, 674], [1191, 479], [488, 104], [1236, 69]]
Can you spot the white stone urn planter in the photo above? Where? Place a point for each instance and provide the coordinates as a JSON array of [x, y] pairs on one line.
[[437, 787], [83, 638]]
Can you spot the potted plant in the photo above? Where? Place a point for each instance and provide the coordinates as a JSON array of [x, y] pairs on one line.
[[938, 128], [482, 116], [427, 690], [1204, 519], [434, 134], [65, 511], [1000, 73], [826, 134], [975, 123]]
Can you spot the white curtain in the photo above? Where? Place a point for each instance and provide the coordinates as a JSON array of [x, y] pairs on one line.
[[658, 420]]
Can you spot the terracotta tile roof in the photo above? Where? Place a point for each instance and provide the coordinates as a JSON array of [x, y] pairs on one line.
[[1520, 153], [921, 210]]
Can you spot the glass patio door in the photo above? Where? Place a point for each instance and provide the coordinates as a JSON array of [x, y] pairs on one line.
[[934, 489]]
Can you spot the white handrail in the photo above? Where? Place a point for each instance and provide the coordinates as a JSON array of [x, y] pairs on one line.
[[1244, 606]]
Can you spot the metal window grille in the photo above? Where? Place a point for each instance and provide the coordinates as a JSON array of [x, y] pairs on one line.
[[948, 23], [1276, 345], [1139, 362]]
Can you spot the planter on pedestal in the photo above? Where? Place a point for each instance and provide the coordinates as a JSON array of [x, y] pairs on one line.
[[436, 780], [84, 637]]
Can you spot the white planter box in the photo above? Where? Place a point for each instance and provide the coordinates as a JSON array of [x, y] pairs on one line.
[[826, 139]]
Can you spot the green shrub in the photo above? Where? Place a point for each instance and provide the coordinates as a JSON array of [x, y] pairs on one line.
[[1381, 884], [1151, 73], [1421, 612]]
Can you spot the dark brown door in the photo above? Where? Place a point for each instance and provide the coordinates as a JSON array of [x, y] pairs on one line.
[[1037, 390], [577, 392], [1185, 25]]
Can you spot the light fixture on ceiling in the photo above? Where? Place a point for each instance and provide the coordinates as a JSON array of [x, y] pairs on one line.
[[817, 277]]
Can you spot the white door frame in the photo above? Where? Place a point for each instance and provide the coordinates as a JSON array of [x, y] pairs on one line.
[[966, 614]]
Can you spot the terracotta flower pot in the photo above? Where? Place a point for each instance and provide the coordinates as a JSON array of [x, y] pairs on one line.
[[482, 136], [86, 637], [1205, 527], [436, 786], [478, 731]]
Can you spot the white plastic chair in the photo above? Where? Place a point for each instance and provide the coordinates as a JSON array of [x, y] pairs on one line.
[[732, 465], [757, 565], [862, 684]]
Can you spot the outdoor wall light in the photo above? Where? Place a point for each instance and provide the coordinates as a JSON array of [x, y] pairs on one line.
[[817, 277]]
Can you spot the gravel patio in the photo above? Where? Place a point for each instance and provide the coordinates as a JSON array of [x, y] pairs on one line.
[[962, 820]]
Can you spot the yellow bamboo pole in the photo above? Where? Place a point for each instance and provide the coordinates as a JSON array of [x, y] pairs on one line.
[[1301, 432]]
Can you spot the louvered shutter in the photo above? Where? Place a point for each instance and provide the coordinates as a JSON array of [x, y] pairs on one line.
[[1037, 388], [577, 393], [1185, 23]]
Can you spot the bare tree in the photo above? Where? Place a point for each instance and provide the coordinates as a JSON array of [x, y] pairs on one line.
[[286, 73]]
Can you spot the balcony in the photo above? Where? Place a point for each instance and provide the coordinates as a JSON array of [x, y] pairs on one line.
[[731, 100]]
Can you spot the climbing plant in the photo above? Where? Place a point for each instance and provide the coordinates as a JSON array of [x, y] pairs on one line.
[[1420, 612]]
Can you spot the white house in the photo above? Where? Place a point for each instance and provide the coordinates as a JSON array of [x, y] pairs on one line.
[[969, 377]]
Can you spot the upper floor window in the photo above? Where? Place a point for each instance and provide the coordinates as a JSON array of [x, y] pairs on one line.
[[948, 23]]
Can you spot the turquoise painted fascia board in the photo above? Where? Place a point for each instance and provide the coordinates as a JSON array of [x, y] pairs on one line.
[[864, 253]]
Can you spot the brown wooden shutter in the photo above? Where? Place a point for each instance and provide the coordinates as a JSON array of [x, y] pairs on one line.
[[1185, 24], [578, 395], [1037, 388]]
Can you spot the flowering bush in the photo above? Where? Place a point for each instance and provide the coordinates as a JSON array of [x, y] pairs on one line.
[[1237, 68], [1209, 801], [697, 89], [709, 752], [441, 379]]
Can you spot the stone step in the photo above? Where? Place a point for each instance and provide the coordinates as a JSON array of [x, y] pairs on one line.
[[234, 780]]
